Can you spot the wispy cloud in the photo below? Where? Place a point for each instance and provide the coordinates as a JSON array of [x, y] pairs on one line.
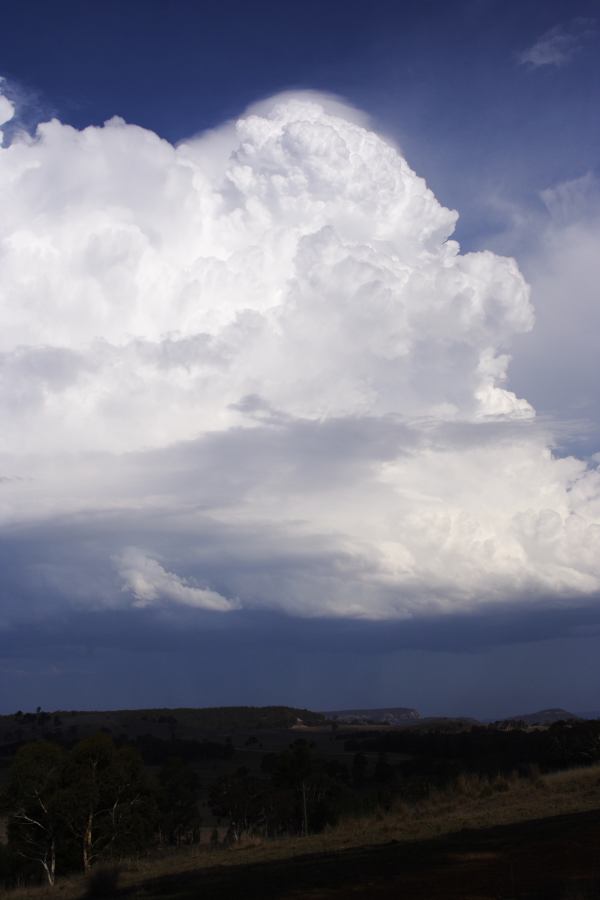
[[558, 45], [573, 200]]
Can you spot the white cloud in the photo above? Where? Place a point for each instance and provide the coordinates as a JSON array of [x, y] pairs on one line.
[[125, 261], [558, 45], [557, 364], [267, 334], [149, 583], [7, 109]]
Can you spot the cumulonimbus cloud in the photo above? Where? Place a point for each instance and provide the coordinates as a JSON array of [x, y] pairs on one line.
[[270, 328]]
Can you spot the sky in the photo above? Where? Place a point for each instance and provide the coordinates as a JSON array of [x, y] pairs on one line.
[[298, 355]]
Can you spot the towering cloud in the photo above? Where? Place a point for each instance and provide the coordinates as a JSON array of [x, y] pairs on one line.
[[259, 358]]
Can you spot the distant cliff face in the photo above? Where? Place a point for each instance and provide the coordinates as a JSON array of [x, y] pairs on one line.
[[396, 715]]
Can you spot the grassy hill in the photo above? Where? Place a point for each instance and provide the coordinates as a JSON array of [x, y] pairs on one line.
[[416, 785], [517, 837]]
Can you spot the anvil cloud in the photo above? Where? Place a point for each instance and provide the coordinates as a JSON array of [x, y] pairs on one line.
[[255, 370]]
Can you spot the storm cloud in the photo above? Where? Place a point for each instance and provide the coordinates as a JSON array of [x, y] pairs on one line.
[[255, 371]]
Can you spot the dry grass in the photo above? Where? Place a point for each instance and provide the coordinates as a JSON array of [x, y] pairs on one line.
[[471, 803]]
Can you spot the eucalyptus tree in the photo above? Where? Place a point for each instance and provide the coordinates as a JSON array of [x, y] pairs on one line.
[[33, 802], [107, 804]]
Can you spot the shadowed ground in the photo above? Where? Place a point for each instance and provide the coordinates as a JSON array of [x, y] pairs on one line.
[[546, 859]]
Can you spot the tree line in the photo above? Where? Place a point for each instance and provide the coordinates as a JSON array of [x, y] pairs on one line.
[[485, 750], [68, 808]]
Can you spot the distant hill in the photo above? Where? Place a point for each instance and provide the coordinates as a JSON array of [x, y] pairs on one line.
[[544, 717], [443, 724], [396, 715], [186, 723]]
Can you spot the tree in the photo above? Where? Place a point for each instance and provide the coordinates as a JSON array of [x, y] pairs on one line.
[[32, 801], [304, 788], [84, 804], [293, 769], [239, 798], [178, 803], [106, 802]]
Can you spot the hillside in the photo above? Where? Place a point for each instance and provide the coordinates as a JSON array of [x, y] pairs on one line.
[[395, 715], [533, 838], [184, 723], [544, 717]]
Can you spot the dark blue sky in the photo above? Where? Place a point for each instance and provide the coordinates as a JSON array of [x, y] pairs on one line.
[[493, 103], [440, 77]]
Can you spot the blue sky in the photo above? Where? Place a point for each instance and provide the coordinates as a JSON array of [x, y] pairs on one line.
[[235, 527], [443, 79]]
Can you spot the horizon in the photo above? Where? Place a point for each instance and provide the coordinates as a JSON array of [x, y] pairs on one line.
[[421, 715]]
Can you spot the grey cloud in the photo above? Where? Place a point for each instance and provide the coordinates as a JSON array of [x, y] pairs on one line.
[[481, 665], [27, 373], [209, 514]]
